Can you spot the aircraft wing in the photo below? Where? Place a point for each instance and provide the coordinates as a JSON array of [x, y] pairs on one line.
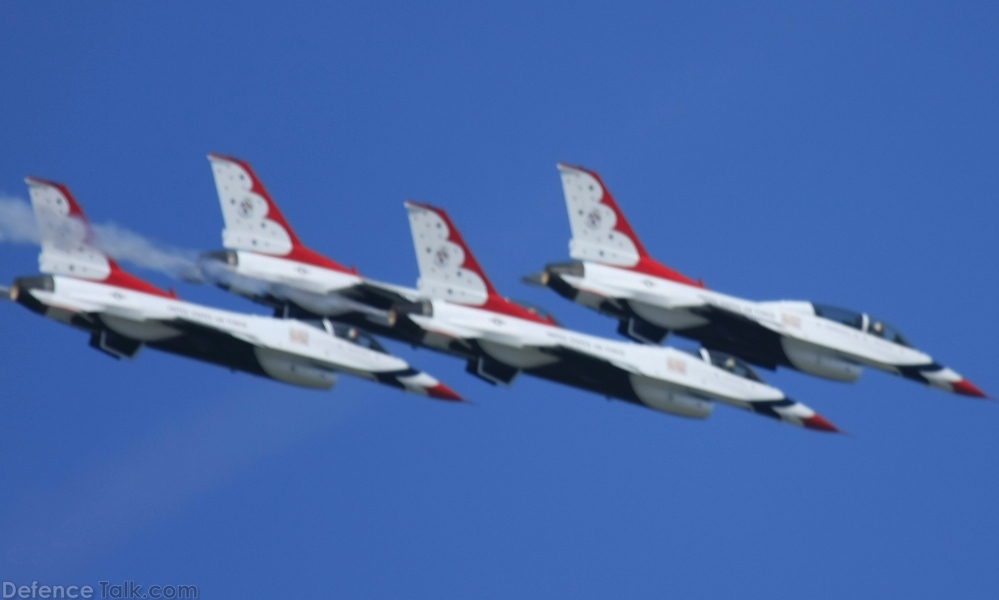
[[589, 371], [734, 332], [581, 357], [189, 325]]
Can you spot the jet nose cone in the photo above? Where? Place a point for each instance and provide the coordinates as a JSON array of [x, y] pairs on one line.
[[819, 423], [443, 392], [966, 388]]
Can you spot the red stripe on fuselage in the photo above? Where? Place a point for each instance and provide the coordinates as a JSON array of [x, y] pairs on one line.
[[498, 304], [123, 279], [308, 256], [650, 266]]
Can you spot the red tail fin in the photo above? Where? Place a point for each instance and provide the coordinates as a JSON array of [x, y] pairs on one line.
[[448, 269], [253, 221], [600, 231], [69, 246]]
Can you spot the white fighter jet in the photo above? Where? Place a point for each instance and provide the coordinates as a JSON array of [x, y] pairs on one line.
[[86, 289], [462, 314], [457, 311], [613, 274]]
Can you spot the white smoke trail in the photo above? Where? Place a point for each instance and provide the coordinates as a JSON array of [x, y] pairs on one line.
[[217, 273], [17, 222], [127, 246], [18, 226]]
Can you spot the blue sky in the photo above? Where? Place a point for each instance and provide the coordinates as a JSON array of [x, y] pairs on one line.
[[842, 152]]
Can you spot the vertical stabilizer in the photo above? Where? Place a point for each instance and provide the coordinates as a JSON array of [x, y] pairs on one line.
[[69, 246], [448, 269], [600, 231], [253, 221]]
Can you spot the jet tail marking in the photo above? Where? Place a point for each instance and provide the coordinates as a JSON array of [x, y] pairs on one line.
[[600, 231], [69, 246], [253, 221], [449, 270]]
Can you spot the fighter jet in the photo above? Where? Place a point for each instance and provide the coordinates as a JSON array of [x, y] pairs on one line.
[[86, 289], [457, 311], [613, 274], [462, 314]]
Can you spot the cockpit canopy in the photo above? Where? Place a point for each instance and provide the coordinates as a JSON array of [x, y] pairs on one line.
[[347, 332], [863, 322], [726, 361]]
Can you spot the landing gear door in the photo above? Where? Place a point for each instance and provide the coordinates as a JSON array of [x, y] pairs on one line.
[[114, 345]]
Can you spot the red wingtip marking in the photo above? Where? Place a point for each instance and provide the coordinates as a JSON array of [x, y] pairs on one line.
[[818, 423], [443, 392], [966, 388]]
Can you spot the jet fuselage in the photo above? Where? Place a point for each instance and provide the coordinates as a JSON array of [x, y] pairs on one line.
[[769, 334], [122, 320]]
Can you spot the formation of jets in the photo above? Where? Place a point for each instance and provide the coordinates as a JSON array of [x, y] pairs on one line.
[[325, 314]]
